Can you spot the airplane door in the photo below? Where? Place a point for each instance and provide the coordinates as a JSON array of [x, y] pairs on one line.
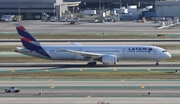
[[124, 51], [154, 52], [52, 51]]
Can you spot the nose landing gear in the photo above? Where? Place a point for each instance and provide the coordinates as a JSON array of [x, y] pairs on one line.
[[157, 62]]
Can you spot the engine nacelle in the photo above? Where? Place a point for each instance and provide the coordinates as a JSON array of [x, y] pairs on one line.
[[109, 59]]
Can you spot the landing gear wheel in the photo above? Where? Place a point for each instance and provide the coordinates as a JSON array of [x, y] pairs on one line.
[[9, 91], [91, 64], [157, 63]]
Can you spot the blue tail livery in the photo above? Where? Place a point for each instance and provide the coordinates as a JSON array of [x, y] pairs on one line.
[[29, 42]]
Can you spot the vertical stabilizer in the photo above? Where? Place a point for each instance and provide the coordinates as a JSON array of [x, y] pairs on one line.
[[29, 42]]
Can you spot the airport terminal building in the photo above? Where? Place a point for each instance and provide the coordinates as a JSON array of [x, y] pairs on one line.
[[167, 8], [33, 9]]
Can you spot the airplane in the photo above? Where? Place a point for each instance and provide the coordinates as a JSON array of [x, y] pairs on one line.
[[108, 55]]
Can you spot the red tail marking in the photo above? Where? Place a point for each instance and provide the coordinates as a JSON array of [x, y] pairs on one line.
[[21, 28], [26, 39]]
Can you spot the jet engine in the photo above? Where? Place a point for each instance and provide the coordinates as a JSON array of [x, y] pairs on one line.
[[109, 59]]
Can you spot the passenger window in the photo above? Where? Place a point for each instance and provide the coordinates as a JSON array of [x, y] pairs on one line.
[[52, 50]]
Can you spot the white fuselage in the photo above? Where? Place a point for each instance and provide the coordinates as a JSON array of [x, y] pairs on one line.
[[128, 52], [108, 55]]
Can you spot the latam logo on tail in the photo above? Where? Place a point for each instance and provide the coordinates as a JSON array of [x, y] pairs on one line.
[[109, 55]]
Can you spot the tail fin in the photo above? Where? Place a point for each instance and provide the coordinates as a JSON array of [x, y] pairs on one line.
[[28, 41]]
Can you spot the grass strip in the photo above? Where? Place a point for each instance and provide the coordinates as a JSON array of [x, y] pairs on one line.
[[93, 75], [88, 36]]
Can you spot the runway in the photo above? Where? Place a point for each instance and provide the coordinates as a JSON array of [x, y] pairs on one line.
[[95, 100], [83, 65], [88, 28], [90, 92]]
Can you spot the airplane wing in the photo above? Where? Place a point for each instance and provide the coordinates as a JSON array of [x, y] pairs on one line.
[[77, 44], [85, 54]]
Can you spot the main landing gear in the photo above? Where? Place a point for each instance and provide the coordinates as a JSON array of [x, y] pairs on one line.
[[91, 64], [157, 62]]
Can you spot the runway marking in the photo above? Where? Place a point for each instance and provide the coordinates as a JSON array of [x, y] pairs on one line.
[[47, 70], [142, 87], [50, 80], [149, 69], [115, 69], [52, 87], [88, 96], [122, 80], [13, 71], [80, 70]]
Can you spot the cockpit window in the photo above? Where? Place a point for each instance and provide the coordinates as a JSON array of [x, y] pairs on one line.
[[164, 51]]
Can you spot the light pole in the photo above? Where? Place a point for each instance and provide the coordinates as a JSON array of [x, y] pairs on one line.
[[103, 9], [119, 10], [19, 14], [19, 11], [99, 8], [108, 4], [119, 4]]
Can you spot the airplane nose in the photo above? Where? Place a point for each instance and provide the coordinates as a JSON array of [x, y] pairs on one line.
[[168, 55]]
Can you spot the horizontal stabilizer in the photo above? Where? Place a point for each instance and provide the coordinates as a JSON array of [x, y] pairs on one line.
[[22, 49], [76, 44]]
